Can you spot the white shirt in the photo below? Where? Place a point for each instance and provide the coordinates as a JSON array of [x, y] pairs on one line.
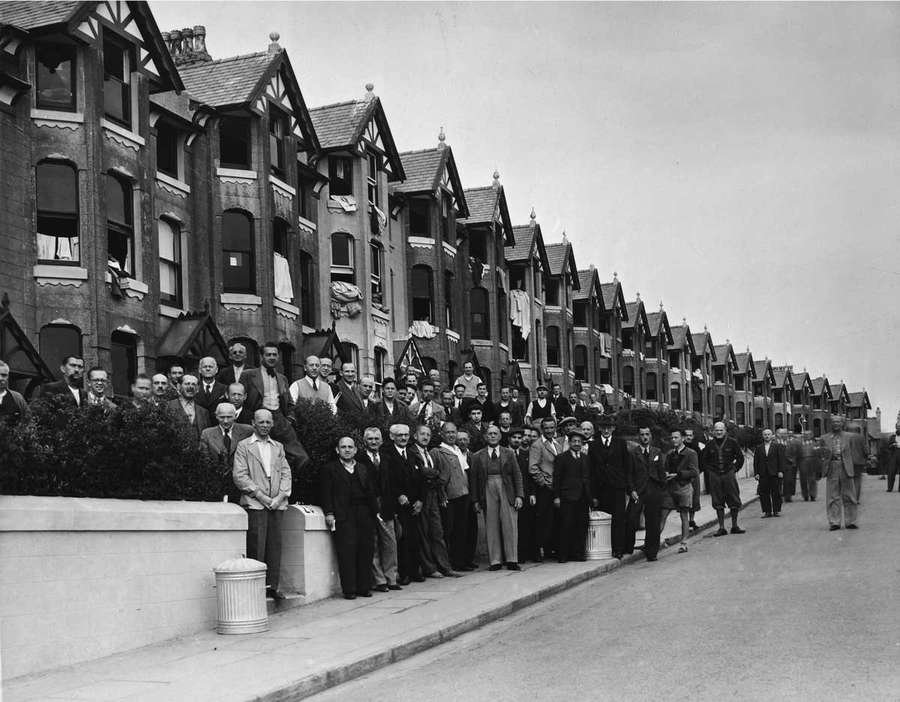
[[76, 394], [460, 456], [265, 452]]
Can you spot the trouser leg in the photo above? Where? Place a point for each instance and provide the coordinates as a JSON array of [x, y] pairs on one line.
[[833, 486], [345, 536], [619, 526], [509, 529], [652, 521], [365, 545], [849, 497], [384, 557], [544, 517], [273, 547], [526, 532], [493, 496]]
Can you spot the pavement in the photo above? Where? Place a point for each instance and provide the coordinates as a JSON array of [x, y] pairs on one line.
[[788, 611], [310, 649]]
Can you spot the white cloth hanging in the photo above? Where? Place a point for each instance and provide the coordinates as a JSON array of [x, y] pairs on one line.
[[284, 288], [520, 311]]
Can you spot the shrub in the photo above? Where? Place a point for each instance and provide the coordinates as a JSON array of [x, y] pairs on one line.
[[319, 430]]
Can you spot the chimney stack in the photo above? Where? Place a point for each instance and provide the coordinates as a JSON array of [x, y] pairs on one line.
[[187, 46]]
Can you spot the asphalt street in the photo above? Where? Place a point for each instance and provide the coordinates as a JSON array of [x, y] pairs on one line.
[[787, 611]]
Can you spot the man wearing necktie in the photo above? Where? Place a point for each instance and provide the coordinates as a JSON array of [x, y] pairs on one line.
[[384, 553], [611, 480], [649, 485], [572, 497], [541, 460], [185, 408], [844, 462], [768, 470], [311, 386], [211, 391], [433, 555], [499, 494], [406, 486], [220, 443]]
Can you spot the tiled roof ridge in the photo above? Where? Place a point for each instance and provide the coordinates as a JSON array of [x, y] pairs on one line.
[[218, 62], [422, 151], [331, 105]]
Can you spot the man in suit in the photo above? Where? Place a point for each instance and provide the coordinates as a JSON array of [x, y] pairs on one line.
[[263, 477], [520, 440], [97, 384], [649, 485], [572, 497], [433, 556], [506, 404], [720, 461], [384, 552], [560, 402], [237, 364], [160, 384], [366, 390], [220, 443], [210, 392], [237, 396], [349, 399], [311, 386], [768, 470], [488, 412], [406, 489], [326, 370], [429, 412], [71, 385], [451, 411], [789, 484], [499, 494], [185, 409], [611, 480], [844, 460], [697, 447], [141, 390], [349, 501], [174, 376], [541, 460], [452, 467], [390, 409], [13, 408], [268, 389], [462, 443], [681, 470]]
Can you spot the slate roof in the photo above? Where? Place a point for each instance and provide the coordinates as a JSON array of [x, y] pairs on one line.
[[556, 255], [635, 312], [521, 250], [608, 291], [482, 203], [744, 363], [586, 280], [860, 399], [800, 378], [724, 352], [339, 124], [837, 389], [783, 378], [681, 335], [31, 15], [423, 170], [761, 367], [702, 342], [820, 385], [229, 81]]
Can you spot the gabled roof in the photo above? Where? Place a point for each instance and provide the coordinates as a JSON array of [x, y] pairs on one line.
[[703, 343], [762, 368], [23, 359], [725, 354], [588, 285], [342, 125], [659, 323], [636, 315], [860, 399], [529, 241], [783, 379], [323, 343], [801, 378], [821, 387], [614, 297], [483, 203], [241, 81], [191, 337], [425, 170], [75, 18], [681, 335], [562, 259], [839, 389]]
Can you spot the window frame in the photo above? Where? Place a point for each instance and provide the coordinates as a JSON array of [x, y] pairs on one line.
[[480, 330], [376, 272], [419, 212], [580, 349], [339, 271], [448, 299], [249, 252], [279, 140], [126, 229], [117, 340], [71, 105], [553, 345], [55, 352], [306, 272], [340, 175], [417, 300], [176, 300], [58, 216], [231, 133], [171, 150], [123, 84]]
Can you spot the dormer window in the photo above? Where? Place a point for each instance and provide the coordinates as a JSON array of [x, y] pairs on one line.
[[55, 74], [167, 149], [234, 143], [477, 246], [278, 137], [118, 63], [419, 218], [340, 175]]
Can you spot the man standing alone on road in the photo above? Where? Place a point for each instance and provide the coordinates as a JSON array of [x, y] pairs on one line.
[[845, 460], [721, 459], [768, 469]]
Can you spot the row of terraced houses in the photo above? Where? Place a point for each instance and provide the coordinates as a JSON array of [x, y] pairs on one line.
[[159, 203]]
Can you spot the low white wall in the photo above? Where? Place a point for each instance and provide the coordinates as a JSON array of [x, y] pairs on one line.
[[308, 559], [85, 578]]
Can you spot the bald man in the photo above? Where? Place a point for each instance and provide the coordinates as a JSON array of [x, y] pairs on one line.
[[221, 441], [262, 475], [311, 386], [720, 460]]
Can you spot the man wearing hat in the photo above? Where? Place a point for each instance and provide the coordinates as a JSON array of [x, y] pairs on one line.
[[611, 480], [540, 407], [572, 496], [566, 424]]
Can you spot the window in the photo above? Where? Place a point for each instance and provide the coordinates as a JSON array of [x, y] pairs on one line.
[[604, 323], [517, 278], [422, 293], [758, 418], [57, 213], [719, 374], [373, 190], [58, 341], [628, 339], [580, 313], [239, 260], [538, 342], [55, 77], [306, 201], [123, 360], [350, 354], [798, 397], [234, 142], [553, 352], [740, 414], [307, 316], [779, 420], [651, 389], [379, 360], [446, 234], [553, 292], [580, 362], [340, 175], [120, 224], [739, 382], [719, 412], [477, 246], [519, 345], [628, 380], [420, 218], [817, 428], [448, 299], [481, 315], [342, 258], [279, 133], [675, 394], [376, 275], [167, 149], [502, 315], [118, 63], [778, 395], [169, 263], [281, 252]]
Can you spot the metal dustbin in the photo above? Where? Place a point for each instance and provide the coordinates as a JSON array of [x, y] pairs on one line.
[[241, 596], [599, 538]]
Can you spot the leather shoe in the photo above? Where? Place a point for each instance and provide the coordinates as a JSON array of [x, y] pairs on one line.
[[403, 581], [437, 575], [852, 526], [650, 559], [394, 587], [418, 579], [466, 568], [834, 527], [721, 532], [349, 596], [381, 588], [766, 515], [777, 514], [692, 524], [495, 566], [738, 530], [452, 574], [364, 594], [513, 566]]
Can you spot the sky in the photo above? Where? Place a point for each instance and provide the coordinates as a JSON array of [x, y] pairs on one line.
[[738, 162]]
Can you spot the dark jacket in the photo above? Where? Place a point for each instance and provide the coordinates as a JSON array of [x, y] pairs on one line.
[[335, 489], [380, 412], [729, 455], [398, 477], [253, 383], [572, 478], [349, 399], [509, 473], [201, 416], [60, 388], [528, 485], [209, 400], [429, 478], [773, 464], [611, 468], [488, 411], [226, 375], [683, 465], [649, 472]]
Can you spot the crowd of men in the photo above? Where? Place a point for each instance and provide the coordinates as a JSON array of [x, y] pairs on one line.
[[407, 504]]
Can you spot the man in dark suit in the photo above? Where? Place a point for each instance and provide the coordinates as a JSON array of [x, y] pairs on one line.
[[174, 376], [389, 410], [649, 485], [220, 442], [572, 497], [611, 480], [237, 396], [499, 494], [768, 469], [384, 556], [71, 386], [405, 484], [433, 556], [348, 498], [515, 409], [520, 439], [349, 398], [560, 402], [185, 409], [237, 364], [488, 411], [844, 461], [268, 389], [211, 391]]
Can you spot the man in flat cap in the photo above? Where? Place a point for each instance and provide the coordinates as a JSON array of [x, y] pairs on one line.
[[611, 480], [572, 497]]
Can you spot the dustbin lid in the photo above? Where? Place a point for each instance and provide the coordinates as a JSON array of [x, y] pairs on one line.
[[239, 565], [597, 515]]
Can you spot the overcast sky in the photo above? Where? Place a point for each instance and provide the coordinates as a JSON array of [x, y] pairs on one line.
[[738, 162]]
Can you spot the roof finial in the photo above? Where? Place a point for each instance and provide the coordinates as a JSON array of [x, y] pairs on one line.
[[660, 306], [727, 341], [274, 47], [591, 267], [370, 90], [442, 138], [564, 237], [615, 277], [684, 322], [533, 216], [705, 329], [748, 348], [637, 296], [496, 183]]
